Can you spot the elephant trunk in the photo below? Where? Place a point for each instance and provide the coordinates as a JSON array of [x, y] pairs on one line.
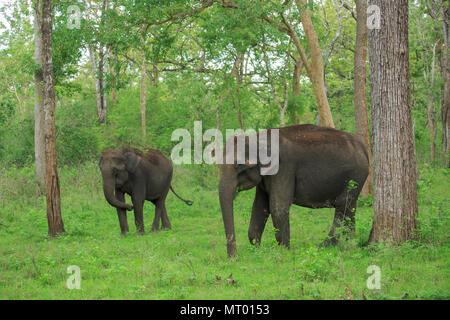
[[227, 188], [108, 189]]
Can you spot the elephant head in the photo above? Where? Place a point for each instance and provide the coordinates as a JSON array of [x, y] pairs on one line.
[[116, 166], [236, 177]]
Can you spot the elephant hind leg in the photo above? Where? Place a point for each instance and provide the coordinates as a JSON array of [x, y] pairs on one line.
[[165, 218], [161, 215], [344, 216], [157, 218]]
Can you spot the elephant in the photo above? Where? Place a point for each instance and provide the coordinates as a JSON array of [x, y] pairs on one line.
[[143, 177], [319, 167]]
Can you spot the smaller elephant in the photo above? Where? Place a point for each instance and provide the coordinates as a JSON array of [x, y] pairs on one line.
[[143, 177]]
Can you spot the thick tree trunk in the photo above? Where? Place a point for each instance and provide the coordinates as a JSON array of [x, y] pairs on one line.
[[55, 223], [317, 71], [360, 99], [143, 95], [39, 124], [395, 189]]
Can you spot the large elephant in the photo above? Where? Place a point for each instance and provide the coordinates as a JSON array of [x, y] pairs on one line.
[[142, 176], [318, 168]]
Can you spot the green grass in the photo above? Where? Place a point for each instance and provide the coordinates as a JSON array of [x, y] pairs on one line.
[[190, 262]]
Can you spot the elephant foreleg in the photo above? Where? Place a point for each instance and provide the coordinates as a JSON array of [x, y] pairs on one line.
[[122, 214], [280, 201], [260, 214], [138, 204]]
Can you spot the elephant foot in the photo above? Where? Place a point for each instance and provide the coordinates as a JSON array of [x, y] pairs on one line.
[[254, 241], [154, 230], [123, 234], [166, 228], [330, 241]]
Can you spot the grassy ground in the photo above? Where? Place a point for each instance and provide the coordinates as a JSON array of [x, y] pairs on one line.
[[189, 261]]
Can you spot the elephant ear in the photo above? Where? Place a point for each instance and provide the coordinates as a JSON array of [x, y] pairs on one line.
[[132, 161]]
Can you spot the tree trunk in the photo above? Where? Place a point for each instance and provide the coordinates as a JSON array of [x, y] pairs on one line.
[[431, 117], [236, 73], [114, 84], [39, 125], [296, 76], [99, 83], [395, 189], [54, 218], [143, 95], [445, 109], [360, 99], [317, 71]]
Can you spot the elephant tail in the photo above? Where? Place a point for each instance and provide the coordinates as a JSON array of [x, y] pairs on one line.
[[188, 202]]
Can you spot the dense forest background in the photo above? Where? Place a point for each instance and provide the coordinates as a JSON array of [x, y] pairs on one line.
[[226, 67]]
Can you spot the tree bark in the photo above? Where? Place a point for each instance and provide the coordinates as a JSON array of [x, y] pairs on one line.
[[39, 125], [54, 218], [360, 99], [395, 189]]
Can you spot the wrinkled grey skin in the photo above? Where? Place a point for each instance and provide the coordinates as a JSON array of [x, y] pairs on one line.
[[143, 177], [315, 167]]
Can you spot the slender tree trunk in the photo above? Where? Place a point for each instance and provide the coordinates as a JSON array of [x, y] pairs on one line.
[[143, 95], [237, 74], [445, 109], [39, 125], [360, 100], [298, 68], [113, 87], [317, 70], [101, 69], [395, 189], [97, 70], [431, 117], [296, 76], [55, 223]]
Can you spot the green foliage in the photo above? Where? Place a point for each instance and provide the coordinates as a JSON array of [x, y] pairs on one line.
[[17, 142]]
